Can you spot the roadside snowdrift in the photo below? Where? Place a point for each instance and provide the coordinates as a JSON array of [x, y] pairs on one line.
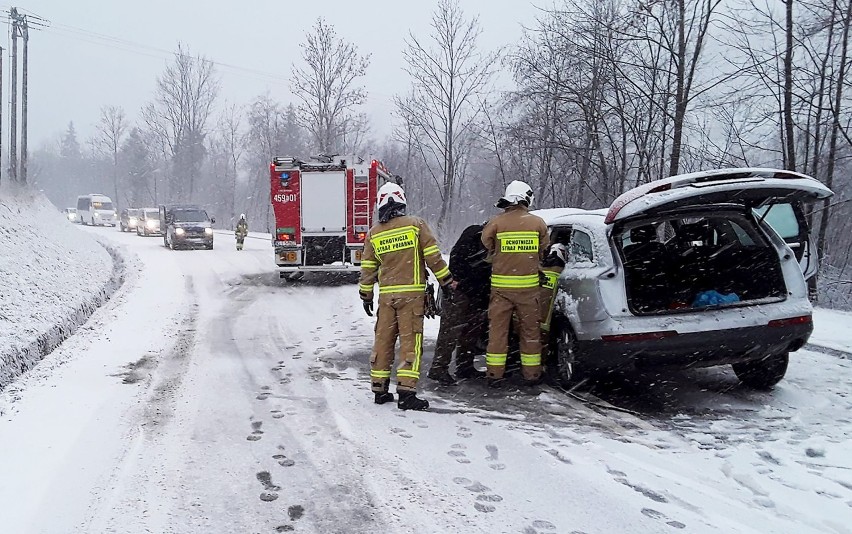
[[52, 277]]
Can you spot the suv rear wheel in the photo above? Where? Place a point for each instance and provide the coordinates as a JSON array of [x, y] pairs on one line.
[[566, 345], [763, 373]]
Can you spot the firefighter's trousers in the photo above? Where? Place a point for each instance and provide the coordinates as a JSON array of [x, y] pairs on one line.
[[398, 315], [463, 321], [524, 303]]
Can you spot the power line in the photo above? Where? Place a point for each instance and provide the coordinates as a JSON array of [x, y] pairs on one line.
[[66, 30]]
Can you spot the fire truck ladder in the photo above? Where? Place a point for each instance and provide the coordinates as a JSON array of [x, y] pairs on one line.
[[361, 203]]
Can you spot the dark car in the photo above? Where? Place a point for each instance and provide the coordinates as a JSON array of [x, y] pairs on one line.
[[129, 219], [186, 226]]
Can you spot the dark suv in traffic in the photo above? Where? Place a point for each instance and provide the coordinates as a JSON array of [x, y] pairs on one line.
[[186, 226]]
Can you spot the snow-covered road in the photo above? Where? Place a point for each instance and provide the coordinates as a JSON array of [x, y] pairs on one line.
[[208, 396]]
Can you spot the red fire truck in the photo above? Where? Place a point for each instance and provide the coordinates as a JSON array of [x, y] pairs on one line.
[[323, 210]]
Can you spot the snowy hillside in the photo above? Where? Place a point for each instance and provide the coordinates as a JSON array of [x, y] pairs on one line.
[[52, 276]]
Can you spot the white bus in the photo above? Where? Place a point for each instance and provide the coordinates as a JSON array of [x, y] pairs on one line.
[[96, 210]]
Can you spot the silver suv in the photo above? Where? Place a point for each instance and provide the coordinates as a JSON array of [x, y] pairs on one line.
[[694, 270]]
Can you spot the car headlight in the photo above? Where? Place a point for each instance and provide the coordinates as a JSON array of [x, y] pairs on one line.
[[179, 231], [151, 223], [208, 231], [70, 216]]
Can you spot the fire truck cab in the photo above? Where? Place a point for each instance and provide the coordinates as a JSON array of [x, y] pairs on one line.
[[323, 211]]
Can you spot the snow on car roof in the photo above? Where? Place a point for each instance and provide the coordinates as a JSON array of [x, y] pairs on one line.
[[553, 216]]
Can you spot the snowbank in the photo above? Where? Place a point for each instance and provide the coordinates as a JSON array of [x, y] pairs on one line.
[[831, 329], [52, 278]]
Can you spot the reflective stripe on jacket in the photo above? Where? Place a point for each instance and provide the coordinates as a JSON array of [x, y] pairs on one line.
[[516, 241], [396, 254]]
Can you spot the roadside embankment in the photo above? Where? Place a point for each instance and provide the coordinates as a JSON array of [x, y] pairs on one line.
[[52, 278]]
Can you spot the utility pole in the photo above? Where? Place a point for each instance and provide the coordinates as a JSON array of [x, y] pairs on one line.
[[13, 120], [24, 154], [1, 111]]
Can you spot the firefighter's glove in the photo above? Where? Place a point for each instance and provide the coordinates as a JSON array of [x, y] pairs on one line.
[[368, 307]]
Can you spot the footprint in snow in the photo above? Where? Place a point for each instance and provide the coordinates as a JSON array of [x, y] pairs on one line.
[[256, 432], [263, 396], [464, 432], [419, 423], [660, 516], [457, 451], [559, 456], [541, 526], [283, 461], [494, 457], [270, 494], [649, 493], [484, 499], [400, 432], [482, 507], [296, 512]]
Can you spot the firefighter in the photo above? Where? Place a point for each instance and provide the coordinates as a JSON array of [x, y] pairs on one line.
[[551, 267], [394, 253], [515, 240], [464, 318], [242, 231]]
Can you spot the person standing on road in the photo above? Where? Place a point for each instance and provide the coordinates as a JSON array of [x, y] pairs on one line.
[[515, 241], [552, 266], [396, 253], [242, 231], [464, 318]]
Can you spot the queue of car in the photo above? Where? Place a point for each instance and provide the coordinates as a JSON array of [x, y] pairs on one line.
[[180, 225]]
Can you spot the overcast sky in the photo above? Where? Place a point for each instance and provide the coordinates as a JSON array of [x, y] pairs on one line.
[[73, 73]]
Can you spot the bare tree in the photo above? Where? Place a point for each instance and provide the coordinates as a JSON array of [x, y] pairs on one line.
[[449, 75], [231, 141], [179, 115], [110, 131], [840, 83], [327, 86]]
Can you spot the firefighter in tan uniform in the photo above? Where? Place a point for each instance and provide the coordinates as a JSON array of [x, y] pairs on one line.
[[552, 266], [396, 252], [515, 240]]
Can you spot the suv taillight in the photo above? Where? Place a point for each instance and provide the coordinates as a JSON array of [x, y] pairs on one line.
[[802, 319]]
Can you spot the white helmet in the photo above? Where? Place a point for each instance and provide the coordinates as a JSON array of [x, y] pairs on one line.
[[242, 216], [391, 193], [517, 192], [559, 250]]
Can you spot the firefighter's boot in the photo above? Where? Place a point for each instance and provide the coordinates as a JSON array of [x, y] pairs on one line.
[[469, 371], [496, 383], [442, 376], [408, 401], [383, 397]]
